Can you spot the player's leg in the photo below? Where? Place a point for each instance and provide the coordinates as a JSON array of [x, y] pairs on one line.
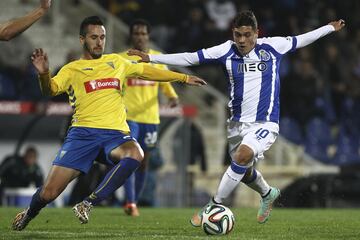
[[266, 134], [241, 155], [55, 183], [256, 181], [126, 158], [247, 143], [137, 179], [147, 138], [130, 207]]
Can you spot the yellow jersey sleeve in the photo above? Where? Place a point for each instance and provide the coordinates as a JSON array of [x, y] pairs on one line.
[[133, 68], [168, 90], [62, 80]]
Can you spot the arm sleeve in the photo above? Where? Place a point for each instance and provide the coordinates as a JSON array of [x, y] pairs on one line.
[[168, 90], [207, 55], [47, 85], [310, 37], [178, 59]]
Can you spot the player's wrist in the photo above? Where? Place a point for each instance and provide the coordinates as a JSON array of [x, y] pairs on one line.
[[44, 73], [186, 78]]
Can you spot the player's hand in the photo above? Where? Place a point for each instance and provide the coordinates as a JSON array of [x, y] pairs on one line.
[[173, 102], [195, 81], [40, 61], [45, 4], [338, 24], [144, 57]]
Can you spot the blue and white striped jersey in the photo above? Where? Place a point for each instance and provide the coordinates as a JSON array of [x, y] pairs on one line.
[[254, 84]]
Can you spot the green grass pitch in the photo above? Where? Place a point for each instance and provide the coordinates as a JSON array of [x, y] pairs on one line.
[[173, 223]]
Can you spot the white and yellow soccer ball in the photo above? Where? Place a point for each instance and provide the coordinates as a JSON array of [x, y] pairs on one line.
[[217, 220]]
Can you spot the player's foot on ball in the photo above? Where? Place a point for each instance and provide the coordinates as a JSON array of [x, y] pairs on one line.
[[21, 220], [266, 204], [82, 211], [131, 210], [197, 217]]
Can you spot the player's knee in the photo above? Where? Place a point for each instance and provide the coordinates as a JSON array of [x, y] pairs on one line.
[[49, 193], [137, 154], [243, 156]]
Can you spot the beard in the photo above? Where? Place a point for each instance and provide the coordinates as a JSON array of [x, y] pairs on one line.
[[92, 54]]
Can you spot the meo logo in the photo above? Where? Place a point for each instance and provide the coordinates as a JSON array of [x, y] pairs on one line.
[[99, 84]]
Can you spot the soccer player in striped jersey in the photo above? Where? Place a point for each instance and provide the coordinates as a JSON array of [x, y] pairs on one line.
[[12, 28], [251, 65], [93, 84], [142, 105]]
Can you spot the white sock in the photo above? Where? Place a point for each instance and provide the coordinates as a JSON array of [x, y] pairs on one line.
[[228, 183], [259, 184]]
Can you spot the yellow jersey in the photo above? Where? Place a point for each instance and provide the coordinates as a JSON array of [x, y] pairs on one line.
[[94, 89], [141, 96]]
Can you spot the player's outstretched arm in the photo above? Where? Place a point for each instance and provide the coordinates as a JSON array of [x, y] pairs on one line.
[[179, 59], [14, 27], [310, 37], [41, 63], [154, 74]]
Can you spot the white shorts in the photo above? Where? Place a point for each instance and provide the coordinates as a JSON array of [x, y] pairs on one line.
[[259, 136]]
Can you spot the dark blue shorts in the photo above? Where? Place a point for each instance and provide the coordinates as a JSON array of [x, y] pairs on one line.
[[82, 145], [145, 134]]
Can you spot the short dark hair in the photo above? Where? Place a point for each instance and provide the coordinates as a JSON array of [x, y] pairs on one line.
[[141, 22], [245, 18], [92, 20], [31, 149]]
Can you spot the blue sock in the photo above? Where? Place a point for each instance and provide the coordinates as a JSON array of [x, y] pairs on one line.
[[36, 204], [140, 176], [114, 179], [129, 188]]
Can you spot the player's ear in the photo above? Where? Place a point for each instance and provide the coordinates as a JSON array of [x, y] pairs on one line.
[[257, 32], [82, 39]]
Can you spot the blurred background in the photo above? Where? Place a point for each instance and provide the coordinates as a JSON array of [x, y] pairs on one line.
[[315, 160]]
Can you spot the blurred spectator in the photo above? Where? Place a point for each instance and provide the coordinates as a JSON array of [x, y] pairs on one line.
[[21, 171], [335, 74], [300, 91], [222, 12]]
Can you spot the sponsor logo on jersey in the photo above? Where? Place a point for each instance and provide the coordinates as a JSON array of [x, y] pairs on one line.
[[132, 82], [264, 55], [252, 67], [99, 84]]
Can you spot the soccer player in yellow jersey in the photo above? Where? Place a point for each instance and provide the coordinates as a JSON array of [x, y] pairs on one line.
[[142, 105], [12, 28], [93, 84]]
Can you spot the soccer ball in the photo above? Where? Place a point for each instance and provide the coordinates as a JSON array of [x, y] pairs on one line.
[[217, 220]]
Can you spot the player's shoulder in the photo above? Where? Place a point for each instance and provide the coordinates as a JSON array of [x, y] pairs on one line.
[[73, 64], [273, 40]]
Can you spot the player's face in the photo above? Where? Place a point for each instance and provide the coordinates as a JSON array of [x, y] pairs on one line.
[[245, 38], [94, 41], [140, 37]]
